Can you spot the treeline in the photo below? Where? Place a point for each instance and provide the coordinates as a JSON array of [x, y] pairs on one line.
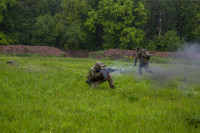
[[161, 25]]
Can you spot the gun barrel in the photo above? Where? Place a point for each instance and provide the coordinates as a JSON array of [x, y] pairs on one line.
[[112, 70]]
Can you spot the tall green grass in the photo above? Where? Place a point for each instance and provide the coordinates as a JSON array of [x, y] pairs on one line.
[[49, 94]]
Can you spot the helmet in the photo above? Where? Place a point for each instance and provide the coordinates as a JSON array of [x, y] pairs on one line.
[[138, 48], [99, 65]]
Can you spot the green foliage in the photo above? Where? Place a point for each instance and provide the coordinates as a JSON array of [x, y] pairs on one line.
[[151, 45], [196, 32], [72, 17], [177, 15], [189, 11], [100, 24], [131, 35], [43, 33], [122, 23], [90, 23], [169, 42], [75, 36], [3, 7], [4, 39]]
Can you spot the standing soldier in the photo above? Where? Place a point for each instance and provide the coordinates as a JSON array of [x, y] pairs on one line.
[[144, 58], [97, 76]]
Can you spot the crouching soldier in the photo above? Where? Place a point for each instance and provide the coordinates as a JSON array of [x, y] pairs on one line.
[[97, 76]]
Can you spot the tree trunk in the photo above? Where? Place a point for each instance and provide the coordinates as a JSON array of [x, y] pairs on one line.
[[160, 24]]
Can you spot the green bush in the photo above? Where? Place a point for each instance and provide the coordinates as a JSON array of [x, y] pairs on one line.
[[169, 42], [4, 39]]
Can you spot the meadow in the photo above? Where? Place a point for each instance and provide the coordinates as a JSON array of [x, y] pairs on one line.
[[50, 94]]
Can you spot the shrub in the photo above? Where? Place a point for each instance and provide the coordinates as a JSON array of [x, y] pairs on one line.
[[169, 42], [4, 39]]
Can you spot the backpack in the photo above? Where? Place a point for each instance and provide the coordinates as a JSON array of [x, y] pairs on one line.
[[145, 54]]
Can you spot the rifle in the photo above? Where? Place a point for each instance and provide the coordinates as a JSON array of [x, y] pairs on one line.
[[110, 70], [106, 72]]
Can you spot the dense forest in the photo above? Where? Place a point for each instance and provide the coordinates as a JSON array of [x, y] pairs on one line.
[[161, 25]]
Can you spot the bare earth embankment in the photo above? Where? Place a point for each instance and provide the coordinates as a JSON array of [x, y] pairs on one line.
[[52, 51]]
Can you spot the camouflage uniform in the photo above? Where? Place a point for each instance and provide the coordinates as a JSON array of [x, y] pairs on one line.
[[143, 56], [96, 76]]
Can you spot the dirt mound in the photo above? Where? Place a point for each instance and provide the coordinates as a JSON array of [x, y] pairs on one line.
[[52, 51], [119, 53], [113, 53], [25, 49], [77, 53]]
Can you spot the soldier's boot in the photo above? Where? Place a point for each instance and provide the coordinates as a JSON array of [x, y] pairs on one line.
[[110, 81]]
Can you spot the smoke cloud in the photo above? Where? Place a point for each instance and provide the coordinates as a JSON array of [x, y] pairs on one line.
[[185, 67]]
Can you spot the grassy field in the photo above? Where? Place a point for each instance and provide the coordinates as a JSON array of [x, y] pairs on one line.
[[49, 94]]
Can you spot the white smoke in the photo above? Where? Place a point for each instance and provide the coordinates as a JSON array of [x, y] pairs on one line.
[[185, 67]]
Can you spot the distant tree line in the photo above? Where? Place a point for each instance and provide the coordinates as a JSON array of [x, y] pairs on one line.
[[161, 25]]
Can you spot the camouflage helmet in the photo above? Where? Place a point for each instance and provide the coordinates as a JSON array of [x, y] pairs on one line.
[[138, 48], [99, 65]]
